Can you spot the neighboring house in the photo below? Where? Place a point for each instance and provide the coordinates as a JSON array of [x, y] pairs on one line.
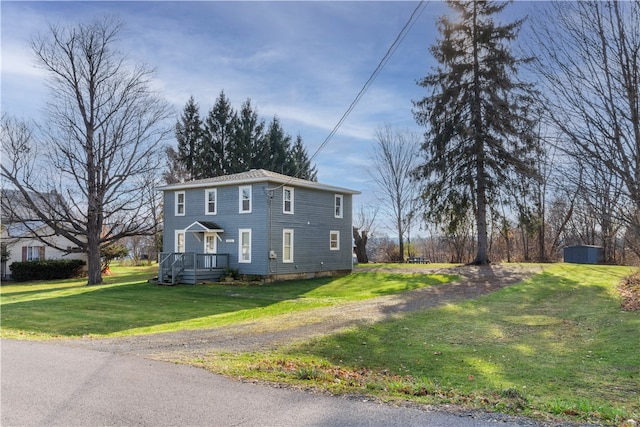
[[261, 223], [20, 231]]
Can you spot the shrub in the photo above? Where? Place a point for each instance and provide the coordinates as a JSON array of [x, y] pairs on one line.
[[46, 270]]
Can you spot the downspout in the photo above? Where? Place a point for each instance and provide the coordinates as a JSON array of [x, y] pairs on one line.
[[269, 193]]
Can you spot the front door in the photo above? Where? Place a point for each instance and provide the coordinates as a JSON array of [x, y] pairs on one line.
[[210, 247]]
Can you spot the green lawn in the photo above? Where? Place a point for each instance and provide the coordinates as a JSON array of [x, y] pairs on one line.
[[127, 305], [554, 346]]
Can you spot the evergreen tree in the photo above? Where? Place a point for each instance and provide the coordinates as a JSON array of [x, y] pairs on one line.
[[188, 135], [218, 130], [277, 143], [231, 142], [478, 130], [301, 164], [247, 138]]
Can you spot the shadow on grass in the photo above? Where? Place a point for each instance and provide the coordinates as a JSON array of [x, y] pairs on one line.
[[548, 338], [118, 308]]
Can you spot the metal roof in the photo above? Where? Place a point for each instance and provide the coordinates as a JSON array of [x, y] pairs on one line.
[[255, 176]]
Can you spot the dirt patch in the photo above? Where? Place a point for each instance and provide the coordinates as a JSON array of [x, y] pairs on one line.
[[271, 333], [629, 290]]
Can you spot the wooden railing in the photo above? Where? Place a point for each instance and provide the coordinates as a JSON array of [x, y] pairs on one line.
[[172, 264]]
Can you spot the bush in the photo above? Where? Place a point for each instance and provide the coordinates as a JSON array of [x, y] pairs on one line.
[[46, 270]]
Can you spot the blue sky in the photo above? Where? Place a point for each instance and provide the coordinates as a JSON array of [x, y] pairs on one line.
[[302, 61]]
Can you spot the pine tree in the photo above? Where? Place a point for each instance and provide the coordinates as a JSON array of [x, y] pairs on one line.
[[278, 143], [188, 135], [247, 138], [477, 116], [301, 164], [218, 130], [228, 142]]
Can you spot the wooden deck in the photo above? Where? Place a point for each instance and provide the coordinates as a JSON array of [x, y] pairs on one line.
[[191, 268]]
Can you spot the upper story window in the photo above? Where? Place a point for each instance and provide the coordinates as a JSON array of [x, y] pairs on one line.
[[245, 199], [338, 205], [180, 208], [210, 200], [287, 200]]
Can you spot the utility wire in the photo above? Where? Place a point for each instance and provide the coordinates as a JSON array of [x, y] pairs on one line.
[[394, 46], [390, 51]]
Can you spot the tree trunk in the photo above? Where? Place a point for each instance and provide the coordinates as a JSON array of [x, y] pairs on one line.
[[481, 221], [361, 243], [481, 178], [93, 262]]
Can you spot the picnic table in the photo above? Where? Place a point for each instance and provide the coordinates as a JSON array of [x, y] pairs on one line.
[[418, 260]]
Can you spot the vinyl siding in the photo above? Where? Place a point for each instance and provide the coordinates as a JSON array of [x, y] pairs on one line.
[[312, 221]]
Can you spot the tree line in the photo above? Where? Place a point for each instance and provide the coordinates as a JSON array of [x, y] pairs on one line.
[[514, 169], [228, 141]]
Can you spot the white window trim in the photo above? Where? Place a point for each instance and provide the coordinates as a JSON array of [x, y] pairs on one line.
[[335, 205], [337, 233], [284, 233], [284, 191], [240, 233], [184, 241], [206, 201], [240, 210], [177, 203]]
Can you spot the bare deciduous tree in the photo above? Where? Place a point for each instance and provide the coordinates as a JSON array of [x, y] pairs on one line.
[[363, 223], [394, 159], [590, 63], [99, 150]]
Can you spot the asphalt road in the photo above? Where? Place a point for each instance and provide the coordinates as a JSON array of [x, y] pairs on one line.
[[46, 384]]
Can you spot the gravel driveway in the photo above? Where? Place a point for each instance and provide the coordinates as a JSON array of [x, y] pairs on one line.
[[271, 333]]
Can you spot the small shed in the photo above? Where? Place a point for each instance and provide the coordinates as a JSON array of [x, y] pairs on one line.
[[583, 254]]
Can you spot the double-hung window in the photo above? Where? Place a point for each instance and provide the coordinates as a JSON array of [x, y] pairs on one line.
[[210, 199], [180, 205], [334, 240], [180, 241], [245, 199], [287, 245], [32, 253], [287, 200], [338, 205], [244, 245]]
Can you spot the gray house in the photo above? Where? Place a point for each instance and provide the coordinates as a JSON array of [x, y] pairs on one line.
[[261, 223]]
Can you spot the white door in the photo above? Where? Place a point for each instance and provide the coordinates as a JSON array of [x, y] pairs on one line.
[[210, 247]]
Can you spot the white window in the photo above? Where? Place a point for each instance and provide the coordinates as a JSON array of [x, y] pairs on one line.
[[210, 198], [245, 199], [180, 203], [33, 253], [244, 247], [287, 245], [287, 200], [338, 206], [180, 241], [334, 240]]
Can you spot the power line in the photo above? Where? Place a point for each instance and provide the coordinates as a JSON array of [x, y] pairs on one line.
[[390, 51]]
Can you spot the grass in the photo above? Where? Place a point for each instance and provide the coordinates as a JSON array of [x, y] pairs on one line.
[[127, 305], [556, 346]]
